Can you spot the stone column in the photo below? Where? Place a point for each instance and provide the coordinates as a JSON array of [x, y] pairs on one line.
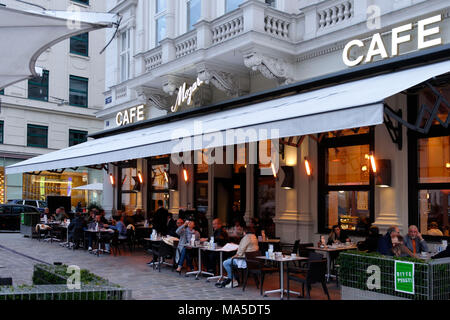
[[253, 11]]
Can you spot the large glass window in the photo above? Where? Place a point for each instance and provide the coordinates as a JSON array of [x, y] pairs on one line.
[[80, 44], [37, 136], [38, 87], [159, 174], [125, 51], [160, 29], [193, 13], [429, 164], [201, 183], [128, 186], [230, 5], [434, 185], [78, 91], [160, 6], [346, 181]]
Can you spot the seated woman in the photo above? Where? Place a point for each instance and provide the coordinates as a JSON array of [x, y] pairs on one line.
[[185, 232], [371, 242], [249, 243], [399, 249], [337, 236]]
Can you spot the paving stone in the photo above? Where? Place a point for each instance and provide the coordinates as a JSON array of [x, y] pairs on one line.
[[130, 271]]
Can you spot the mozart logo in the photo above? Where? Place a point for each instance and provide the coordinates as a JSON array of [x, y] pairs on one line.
[[185, 95]]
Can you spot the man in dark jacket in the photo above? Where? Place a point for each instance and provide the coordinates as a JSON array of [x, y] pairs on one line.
[[160, 219], [221, 238], [385, 242], [75, 229]]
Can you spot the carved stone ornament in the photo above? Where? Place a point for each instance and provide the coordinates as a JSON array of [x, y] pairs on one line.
[[269, 67], [221, 80], [155, 97]]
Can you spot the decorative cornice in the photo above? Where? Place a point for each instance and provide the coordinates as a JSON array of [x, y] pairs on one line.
[[321, 52]]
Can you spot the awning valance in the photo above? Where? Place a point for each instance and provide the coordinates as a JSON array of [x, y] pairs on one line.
[[349, 105], [25, 35]]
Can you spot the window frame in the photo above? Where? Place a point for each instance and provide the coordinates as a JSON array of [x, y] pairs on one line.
[[30, 81], [150, 190], [84, 2], [127, 53], [86, 80], [322, 185], [75, 131], [77, 38], [2, 131], [414, 185], [36, 126]]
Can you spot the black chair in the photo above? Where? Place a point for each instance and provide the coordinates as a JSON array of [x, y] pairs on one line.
[[162, 251], [314, 272], [131, 239], [255, 267]]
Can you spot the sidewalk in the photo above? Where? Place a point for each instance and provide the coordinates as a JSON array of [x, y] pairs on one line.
[[132, 272]]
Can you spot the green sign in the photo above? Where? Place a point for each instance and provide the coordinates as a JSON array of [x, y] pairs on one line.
[[22, 218], [404, 277]]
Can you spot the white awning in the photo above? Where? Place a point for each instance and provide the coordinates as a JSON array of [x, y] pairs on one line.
[[349, 105], [24, 35], [91, 187]]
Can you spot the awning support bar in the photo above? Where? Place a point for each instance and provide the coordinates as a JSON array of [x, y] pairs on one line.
[[395, 132]]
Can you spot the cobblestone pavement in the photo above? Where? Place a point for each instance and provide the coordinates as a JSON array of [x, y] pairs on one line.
[[19, 254]]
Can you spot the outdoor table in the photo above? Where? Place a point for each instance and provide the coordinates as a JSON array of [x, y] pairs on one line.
[[98, 233], [52, 225], [221, 251], [281, 261], [328, 250], [199, 272]]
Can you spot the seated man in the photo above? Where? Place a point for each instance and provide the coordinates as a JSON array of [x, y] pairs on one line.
[[385, 242], [249, 243], [106, 237], [221, 238], [120, 227], [75, 229], [414, 241]]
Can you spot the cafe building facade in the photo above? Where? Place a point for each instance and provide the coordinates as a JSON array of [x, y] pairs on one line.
[[301, 114]]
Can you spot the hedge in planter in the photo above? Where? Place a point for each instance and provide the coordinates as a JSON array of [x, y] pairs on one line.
[[51, 274], [353, 273]]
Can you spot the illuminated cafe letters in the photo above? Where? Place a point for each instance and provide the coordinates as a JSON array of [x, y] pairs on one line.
[[186, 95], [377, 47], [130, 115]]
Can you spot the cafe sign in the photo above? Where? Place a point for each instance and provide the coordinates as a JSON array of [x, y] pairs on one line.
[[130, 115], [185, 95], [400, 35], [404, 277]]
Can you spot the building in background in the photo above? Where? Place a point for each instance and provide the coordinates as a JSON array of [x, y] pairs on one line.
[[54, 111]]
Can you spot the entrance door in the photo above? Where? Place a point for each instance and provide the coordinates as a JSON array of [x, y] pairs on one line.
[[223, 198]]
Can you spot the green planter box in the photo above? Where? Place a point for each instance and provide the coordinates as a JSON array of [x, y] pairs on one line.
[[374, 275]]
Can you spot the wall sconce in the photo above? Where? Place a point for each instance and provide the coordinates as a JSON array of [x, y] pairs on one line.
[[373, 163], [383, 176], [173, 182], [185, 175], [141, 179], [308, 167], [111, 179], [288, 182]]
